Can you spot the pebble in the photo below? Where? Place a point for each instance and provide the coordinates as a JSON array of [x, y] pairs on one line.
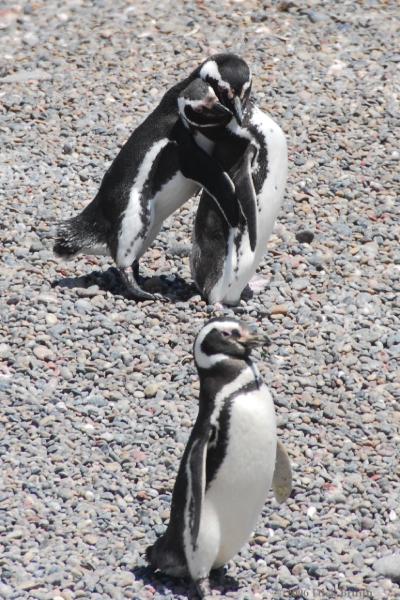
[[305, 236], [279, 309], [389, 566], [311, 512], [151, 390], [51, 319], [301, 284], [42, 352], [25, 76]]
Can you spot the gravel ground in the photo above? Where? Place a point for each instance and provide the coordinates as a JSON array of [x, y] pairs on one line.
[[97, 399]]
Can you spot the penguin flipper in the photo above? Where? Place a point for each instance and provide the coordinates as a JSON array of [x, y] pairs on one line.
[[246, 193], [196, 486], [282, 481]]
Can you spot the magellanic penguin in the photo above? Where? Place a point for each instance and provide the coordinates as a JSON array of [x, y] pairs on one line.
[[223, 258], [230, 462], [163, 164]]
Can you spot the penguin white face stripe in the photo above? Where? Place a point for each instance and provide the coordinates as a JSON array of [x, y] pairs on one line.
[[210, 70], [131, 225], [203, 360], [245, 87], [207, 101]]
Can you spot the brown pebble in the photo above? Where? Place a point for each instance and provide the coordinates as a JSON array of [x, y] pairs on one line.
[[279, 309], [261, 539]]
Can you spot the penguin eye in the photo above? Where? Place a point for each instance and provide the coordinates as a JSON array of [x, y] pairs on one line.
[[232, 333]]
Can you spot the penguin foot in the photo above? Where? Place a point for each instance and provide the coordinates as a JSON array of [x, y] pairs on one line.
[[133, 289], [203, 587]]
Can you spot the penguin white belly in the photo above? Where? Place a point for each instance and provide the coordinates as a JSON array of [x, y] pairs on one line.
[[172, 195], [135, 237], [237, 271], [269, 198], [237, 495]]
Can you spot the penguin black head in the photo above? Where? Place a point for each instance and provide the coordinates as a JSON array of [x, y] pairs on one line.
[[199, 106], [224, 338], [230, 77]]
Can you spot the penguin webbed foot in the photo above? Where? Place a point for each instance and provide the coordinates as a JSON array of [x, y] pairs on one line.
[[133, 290], [203, 587]]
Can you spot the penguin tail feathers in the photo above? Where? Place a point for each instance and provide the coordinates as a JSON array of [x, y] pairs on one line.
[[161, 557], [75, 234], [69, 239]]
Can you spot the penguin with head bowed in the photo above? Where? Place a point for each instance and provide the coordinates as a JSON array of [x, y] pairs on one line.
[[224, 259], [230, 462], [165, 161]]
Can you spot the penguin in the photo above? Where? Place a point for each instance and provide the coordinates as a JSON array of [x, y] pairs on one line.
[[165, 161], [231, 460], [224, 258]]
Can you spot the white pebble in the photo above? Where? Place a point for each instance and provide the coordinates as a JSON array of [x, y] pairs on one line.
[[88, 427], [51, 319], [311, 512]]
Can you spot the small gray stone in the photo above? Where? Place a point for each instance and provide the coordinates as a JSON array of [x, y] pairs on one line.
[[301, 284], [43, 353], [389, 566], [24, 76]]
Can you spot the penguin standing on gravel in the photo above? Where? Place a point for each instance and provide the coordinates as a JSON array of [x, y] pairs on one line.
[[224, 258], [164, 162], [230, 462]]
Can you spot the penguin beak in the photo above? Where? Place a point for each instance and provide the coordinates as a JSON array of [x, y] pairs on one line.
[[253, 339], [237, 110], [218, 112]]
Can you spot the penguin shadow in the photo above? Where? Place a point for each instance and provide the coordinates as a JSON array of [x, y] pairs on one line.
[[220, 583], [170, 288]]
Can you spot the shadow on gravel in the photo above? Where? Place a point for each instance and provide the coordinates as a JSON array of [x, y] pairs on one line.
[[171, 287], [219, 581]]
